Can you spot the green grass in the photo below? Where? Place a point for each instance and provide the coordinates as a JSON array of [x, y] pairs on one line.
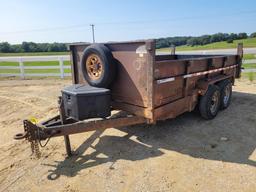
[[249, 66], [33, 54], [38, 63], [249, 56], [250, 42], [249, 75]]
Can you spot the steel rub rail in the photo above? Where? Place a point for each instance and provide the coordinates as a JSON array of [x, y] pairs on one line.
[[169, 79]]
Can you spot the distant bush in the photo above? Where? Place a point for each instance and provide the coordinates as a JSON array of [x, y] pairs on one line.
[[201, 40], [230, 41], [242, 35], [253, 35], [5, 47], [25, 47]]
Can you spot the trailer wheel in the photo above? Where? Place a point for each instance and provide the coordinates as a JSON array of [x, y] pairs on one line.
[[225, 93], [210, 103], [98, 66]]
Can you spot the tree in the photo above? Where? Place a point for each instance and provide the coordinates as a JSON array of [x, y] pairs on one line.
[[218, 37], [205, 39], [17, 49], [5, 47], [233, 36], [253, 35], [25, 46], [230, 41], [160, 43], [242, 35], [193, 41]]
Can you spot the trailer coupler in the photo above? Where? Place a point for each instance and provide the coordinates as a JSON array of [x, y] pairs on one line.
[[34, 134]]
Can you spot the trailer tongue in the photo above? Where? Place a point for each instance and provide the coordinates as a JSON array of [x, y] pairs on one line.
[[60, 125], [144, 87]]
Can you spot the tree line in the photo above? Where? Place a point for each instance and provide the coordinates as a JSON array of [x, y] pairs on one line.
[[25, 47], [201, 40], [5, 47]]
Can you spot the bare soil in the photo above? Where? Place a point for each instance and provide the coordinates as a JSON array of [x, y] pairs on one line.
[[183, 154]]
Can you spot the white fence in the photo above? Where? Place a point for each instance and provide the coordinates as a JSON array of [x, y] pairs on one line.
[[61, 66], [22, 67], [249, 61]]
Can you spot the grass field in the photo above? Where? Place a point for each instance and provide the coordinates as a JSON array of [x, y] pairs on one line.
[[250, 42], [249, 56], [249, 66], [33, 54], [251, 76]]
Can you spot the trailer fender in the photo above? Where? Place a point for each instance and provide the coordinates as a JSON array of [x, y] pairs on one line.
[[202, 85]]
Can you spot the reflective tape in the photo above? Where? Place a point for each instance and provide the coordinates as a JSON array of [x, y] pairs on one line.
[[165, 80], [208, 72]]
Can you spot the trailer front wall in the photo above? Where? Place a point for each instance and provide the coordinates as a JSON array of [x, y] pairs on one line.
[[132, 86]]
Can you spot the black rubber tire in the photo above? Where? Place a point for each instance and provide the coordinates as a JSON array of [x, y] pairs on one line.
[[206, 101], [108, 63], [222, 86]]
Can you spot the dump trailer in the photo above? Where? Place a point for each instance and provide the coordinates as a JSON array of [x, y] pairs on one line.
[[118, 84]]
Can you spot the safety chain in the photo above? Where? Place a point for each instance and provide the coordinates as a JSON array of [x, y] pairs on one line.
[[31, 136]]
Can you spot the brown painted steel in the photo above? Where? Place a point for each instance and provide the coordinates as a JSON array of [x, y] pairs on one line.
[[85, 126]]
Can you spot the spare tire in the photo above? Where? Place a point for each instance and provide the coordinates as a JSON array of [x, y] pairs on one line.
[[98, 66]]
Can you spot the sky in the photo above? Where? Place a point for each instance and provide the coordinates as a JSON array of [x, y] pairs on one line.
[[116, 20]]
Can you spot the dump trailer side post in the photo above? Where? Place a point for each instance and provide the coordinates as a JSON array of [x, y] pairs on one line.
[[63, 121], [150, 46], [240, 50], [173, 50], [240, 54]]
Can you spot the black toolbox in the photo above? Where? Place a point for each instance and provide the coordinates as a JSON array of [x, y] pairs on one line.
[[83, 101]]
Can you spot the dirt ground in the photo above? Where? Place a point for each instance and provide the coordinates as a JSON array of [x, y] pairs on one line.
[[183, 154]]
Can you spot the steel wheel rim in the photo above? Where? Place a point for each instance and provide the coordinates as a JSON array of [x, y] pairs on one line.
[[226, 95], [94, 66], [214, 102]]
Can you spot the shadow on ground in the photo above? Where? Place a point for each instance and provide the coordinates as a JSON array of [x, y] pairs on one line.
[[187, 134]]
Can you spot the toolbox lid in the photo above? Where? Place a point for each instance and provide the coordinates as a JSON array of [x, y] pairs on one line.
[[85, 90]]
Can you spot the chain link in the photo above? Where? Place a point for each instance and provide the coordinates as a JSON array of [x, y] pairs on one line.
[[32, 138]]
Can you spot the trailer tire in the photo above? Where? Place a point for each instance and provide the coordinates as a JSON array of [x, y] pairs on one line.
[[210, 102], [98, 66], [225, 93]]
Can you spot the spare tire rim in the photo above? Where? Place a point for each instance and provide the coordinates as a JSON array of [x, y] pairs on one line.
[[94, 66], [226, 95], [214, 102]]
